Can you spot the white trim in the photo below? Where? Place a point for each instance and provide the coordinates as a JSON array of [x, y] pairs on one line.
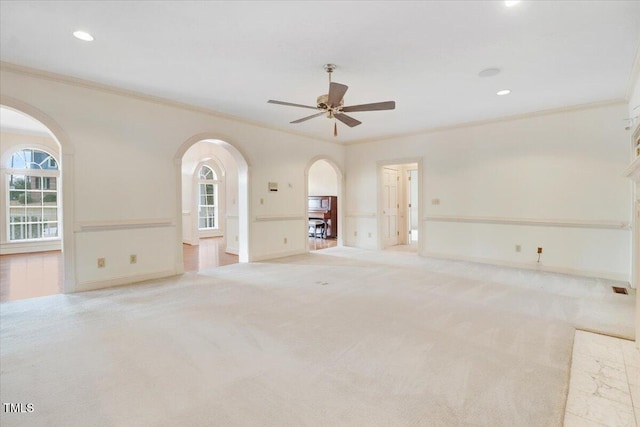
[[123, 280], [276, 255], [88, 226], [284, 217], [27, 246], [539, 267], [568, 223], [633, 171]]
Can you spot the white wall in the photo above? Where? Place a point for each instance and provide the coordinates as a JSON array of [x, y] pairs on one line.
[[323, 180], [12, 142], [561, 170], [122, 181]]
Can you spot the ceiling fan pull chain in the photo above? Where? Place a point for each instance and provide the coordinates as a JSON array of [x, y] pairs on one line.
[[335, 129]]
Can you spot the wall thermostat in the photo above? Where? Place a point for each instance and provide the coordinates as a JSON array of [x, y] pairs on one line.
[[273, 186]]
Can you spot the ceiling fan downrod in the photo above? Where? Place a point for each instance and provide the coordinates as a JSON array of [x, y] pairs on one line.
[[329, 68]]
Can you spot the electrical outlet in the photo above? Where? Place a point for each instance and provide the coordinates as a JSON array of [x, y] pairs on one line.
[[102, 262], [539, 250], [285, 240], [261, 201], [518, 248], [133, 259]]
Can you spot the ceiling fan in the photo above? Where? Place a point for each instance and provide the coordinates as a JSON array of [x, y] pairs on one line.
[[331, 105]]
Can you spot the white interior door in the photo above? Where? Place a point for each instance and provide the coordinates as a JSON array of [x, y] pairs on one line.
[[412, 196], [390, 206]]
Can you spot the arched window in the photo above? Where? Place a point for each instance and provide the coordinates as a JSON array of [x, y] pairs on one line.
[[33, 195], [207, 199]]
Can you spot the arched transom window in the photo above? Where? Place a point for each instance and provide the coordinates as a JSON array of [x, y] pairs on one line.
[[207, 199], [33, 178]]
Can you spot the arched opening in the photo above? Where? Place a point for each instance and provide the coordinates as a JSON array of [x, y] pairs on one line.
[[213, 187], [31, 224], [324, 203]]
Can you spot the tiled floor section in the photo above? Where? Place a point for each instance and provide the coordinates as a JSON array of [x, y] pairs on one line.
[[604, 389]]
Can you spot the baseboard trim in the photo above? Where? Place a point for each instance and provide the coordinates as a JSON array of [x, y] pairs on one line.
[[538, 267], [122, 281], [278, 255]]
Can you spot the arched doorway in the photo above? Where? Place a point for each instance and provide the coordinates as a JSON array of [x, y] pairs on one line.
[[324, 203], [32, 241], [213, 179]]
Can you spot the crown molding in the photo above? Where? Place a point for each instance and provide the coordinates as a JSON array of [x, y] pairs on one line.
[[88, 84], [514, 117], [74, 81]]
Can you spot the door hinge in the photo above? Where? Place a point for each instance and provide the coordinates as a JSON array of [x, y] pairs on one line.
[[409, 204], [409, 178], [398, 205], [397, 178], [398, 233]]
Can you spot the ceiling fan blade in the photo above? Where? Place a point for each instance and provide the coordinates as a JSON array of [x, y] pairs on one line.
[[336, 93], [347, 120], [271, 101], [308, 117], [376, 106]]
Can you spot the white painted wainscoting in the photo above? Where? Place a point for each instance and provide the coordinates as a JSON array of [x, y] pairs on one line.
[[115, 241], [574, 246], [287, 234]]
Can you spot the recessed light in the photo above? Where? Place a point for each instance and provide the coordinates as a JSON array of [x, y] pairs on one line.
[[489, 72], [83, 35], [503, 92], [511, 3]]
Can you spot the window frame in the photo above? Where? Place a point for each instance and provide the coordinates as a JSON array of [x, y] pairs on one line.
[[215, 183], [40, 173]]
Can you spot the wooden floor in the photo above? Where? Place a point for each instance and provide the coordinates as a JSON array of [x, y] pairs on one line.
[[316, 243], [30, 275], [39, 274], [208, 254]]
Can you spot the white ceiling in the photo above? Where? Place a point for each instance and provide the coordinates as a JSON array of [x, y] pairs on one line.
[[232, 57]]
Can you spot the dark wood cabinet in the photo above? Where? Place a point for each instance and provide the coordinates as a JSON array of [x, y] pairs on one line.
[[325, 208]]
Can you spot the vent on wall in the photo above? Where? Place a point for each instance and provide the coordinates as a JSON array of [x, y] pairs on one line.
[[619, 290]]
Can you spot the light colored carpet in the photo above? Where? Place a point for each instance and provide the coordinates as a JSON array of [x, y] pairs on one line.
[[337, 337]]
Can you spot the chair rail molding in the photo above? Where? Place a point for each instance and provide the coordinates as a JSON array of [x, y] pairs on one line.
[[88, 226], [545, 222]]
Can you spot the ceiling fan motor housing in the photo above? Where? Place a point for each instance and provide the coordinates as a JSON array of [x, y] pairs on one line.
[[323, 102]]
